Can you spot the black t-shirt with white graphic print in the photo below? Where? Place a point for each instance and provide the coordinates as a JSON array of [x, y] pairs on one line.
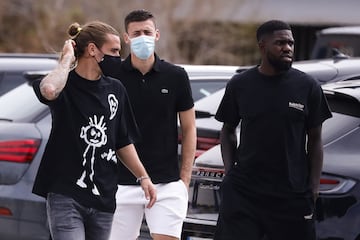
[[275, 113], [90, 121]]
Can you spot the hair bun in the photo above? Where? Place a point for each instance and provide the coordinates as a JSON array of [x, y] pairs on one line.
[[74, 29]]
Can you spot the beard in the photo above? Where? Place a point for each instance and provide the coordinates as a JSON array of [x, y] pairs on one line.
[[278, 64]]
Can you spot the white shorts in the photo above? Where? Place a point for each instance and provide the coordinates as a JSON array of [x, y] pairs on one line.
[[165, 217]]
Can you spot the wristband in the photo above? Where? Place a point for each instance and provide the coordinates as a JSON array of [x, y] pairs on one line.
[[139, 179]]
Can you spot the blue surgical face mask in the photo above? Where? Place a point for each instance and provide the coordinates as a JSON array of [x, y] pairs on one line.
[[142, 46]]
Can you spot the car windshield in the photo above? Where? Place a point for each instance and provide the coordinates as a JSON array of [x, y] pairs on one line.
[[20, 104], [204, 88], [345, 43], [12, 80], [209, 105]]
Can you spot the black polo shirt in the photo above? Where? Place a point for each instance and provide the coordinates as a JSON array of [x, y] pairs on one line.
[[156, 98]]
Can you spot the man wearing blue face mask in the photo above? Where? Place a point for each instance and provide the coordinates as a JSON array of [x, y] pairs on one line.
[[159, 93], [143, 46]]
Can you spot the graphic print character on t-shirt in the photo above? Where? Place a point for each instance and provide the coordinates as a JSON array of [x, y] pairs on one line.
[[94, 135], [113, 104]]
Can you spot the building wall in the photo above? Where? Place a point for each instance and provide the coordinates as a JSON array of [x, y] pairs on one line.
[[304, 12]]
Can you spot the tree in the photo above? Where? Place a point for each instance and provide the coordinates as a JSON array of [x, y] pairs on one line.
[[41, 25]]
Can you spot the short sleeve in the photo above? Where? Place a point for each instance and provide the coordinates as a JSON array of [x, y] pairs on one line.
[[228, 111], [318, 107], [42, 99], [184, 96], [36, 87]]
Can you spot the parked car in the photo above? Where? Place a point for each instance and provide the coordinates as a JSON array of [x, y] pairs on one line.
[[341, 40], [24, 129], [330, 70], [22, 214], [207, 79], [13, 66], [338, 207]]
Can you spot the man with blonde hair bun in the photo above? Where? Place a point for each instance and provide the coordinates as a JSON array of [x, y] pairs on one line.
[[92, 124]]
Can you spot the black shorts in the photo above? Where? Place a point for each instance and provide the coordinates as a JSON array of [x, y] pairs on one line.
[[248, 218]]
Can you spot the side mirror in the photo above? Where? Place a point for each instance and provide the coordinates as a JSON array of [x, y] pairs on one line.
[[337, 54]]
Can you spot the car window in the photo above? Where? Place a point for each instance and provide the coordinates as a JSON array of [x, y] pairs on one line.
[[347, 44], [343, 103], [337, 126], [211, 103], [10, 80], [13, 66], [202, 89], [21, 104]]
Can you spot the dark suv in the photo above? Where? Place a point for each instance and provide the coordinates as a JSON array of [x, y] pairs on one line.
[[13, 66]]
